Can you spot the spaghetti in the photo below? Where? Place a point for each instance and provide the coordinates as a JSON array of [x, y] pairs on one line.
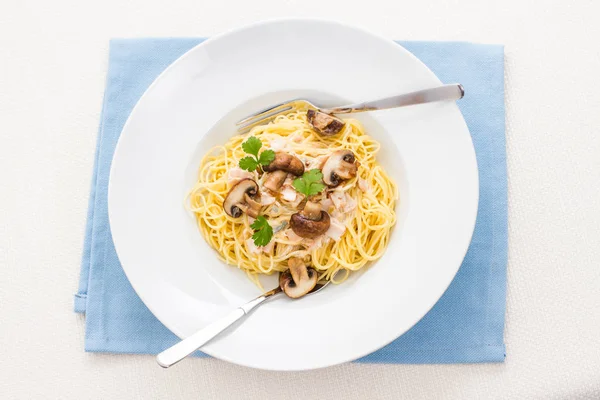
[[362, 208]]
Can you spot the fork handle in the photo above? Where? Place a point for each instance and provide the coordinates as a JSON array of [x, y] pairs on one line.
[[453, 91], [187, 346]]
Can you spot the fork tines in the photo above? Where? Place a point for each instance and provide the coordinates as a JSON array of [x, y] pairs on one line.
[[264, 116]]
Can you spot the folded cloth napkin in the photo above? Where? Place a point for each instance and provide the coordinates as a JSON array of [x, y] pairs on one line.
[[467, 323]]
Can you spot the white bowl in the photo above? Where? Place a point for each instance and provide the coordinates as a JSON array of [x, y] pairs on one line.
[[192, 106]]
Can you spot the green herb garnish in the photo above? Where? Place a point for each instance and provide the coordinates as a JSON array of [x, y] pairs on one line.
[[252, 146], [263, 232], [310, 183]]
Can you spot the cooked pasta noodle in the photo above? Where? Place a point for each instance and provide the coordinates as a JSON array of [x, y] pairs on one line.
[[364, 206]]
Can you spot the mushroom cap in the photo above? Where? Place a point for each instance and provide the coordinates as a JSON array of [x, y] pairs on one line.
[[283, 277], [296, 290], [285, 162], [325, 124], [340, 165], [308, 228], [237, 199]]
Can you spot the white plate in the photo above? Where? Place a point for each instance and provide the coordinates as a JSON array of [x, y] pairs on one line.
[[192, 106]]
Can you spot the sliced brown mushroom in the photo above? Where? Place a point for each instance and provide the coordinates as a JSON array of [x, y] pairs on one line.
[[242, 199], [274, 180], [340, 166], [324, 124], [311, 222], [283, 277], [299, 280], [285, 162], [253, 206]]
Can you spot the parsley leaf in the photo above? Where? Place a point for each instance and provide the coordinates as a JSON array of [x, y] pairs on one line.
[[263, 232], [300, 185], [266, 157], [310, 183], [248, 163], [252, 145], [314, 175]]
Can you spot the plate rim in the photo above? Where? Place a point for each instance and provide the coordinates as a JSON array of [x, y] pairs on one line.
[[233, 31]]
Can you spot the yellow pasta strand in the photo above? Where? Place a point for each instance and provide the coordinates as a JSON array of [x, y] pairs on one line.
[[368, 226]]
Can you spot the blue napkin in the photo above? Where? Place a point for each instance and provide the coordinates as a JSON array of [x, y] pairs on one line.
[[467, 323]]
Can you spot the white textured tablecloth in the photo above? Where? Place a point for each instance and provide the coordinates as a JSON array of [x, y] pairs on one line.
[[52, 67]]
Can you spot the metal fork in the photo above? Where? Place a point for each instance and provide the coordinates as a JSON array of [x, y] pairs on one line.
[[453, 91], [187, 346]]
